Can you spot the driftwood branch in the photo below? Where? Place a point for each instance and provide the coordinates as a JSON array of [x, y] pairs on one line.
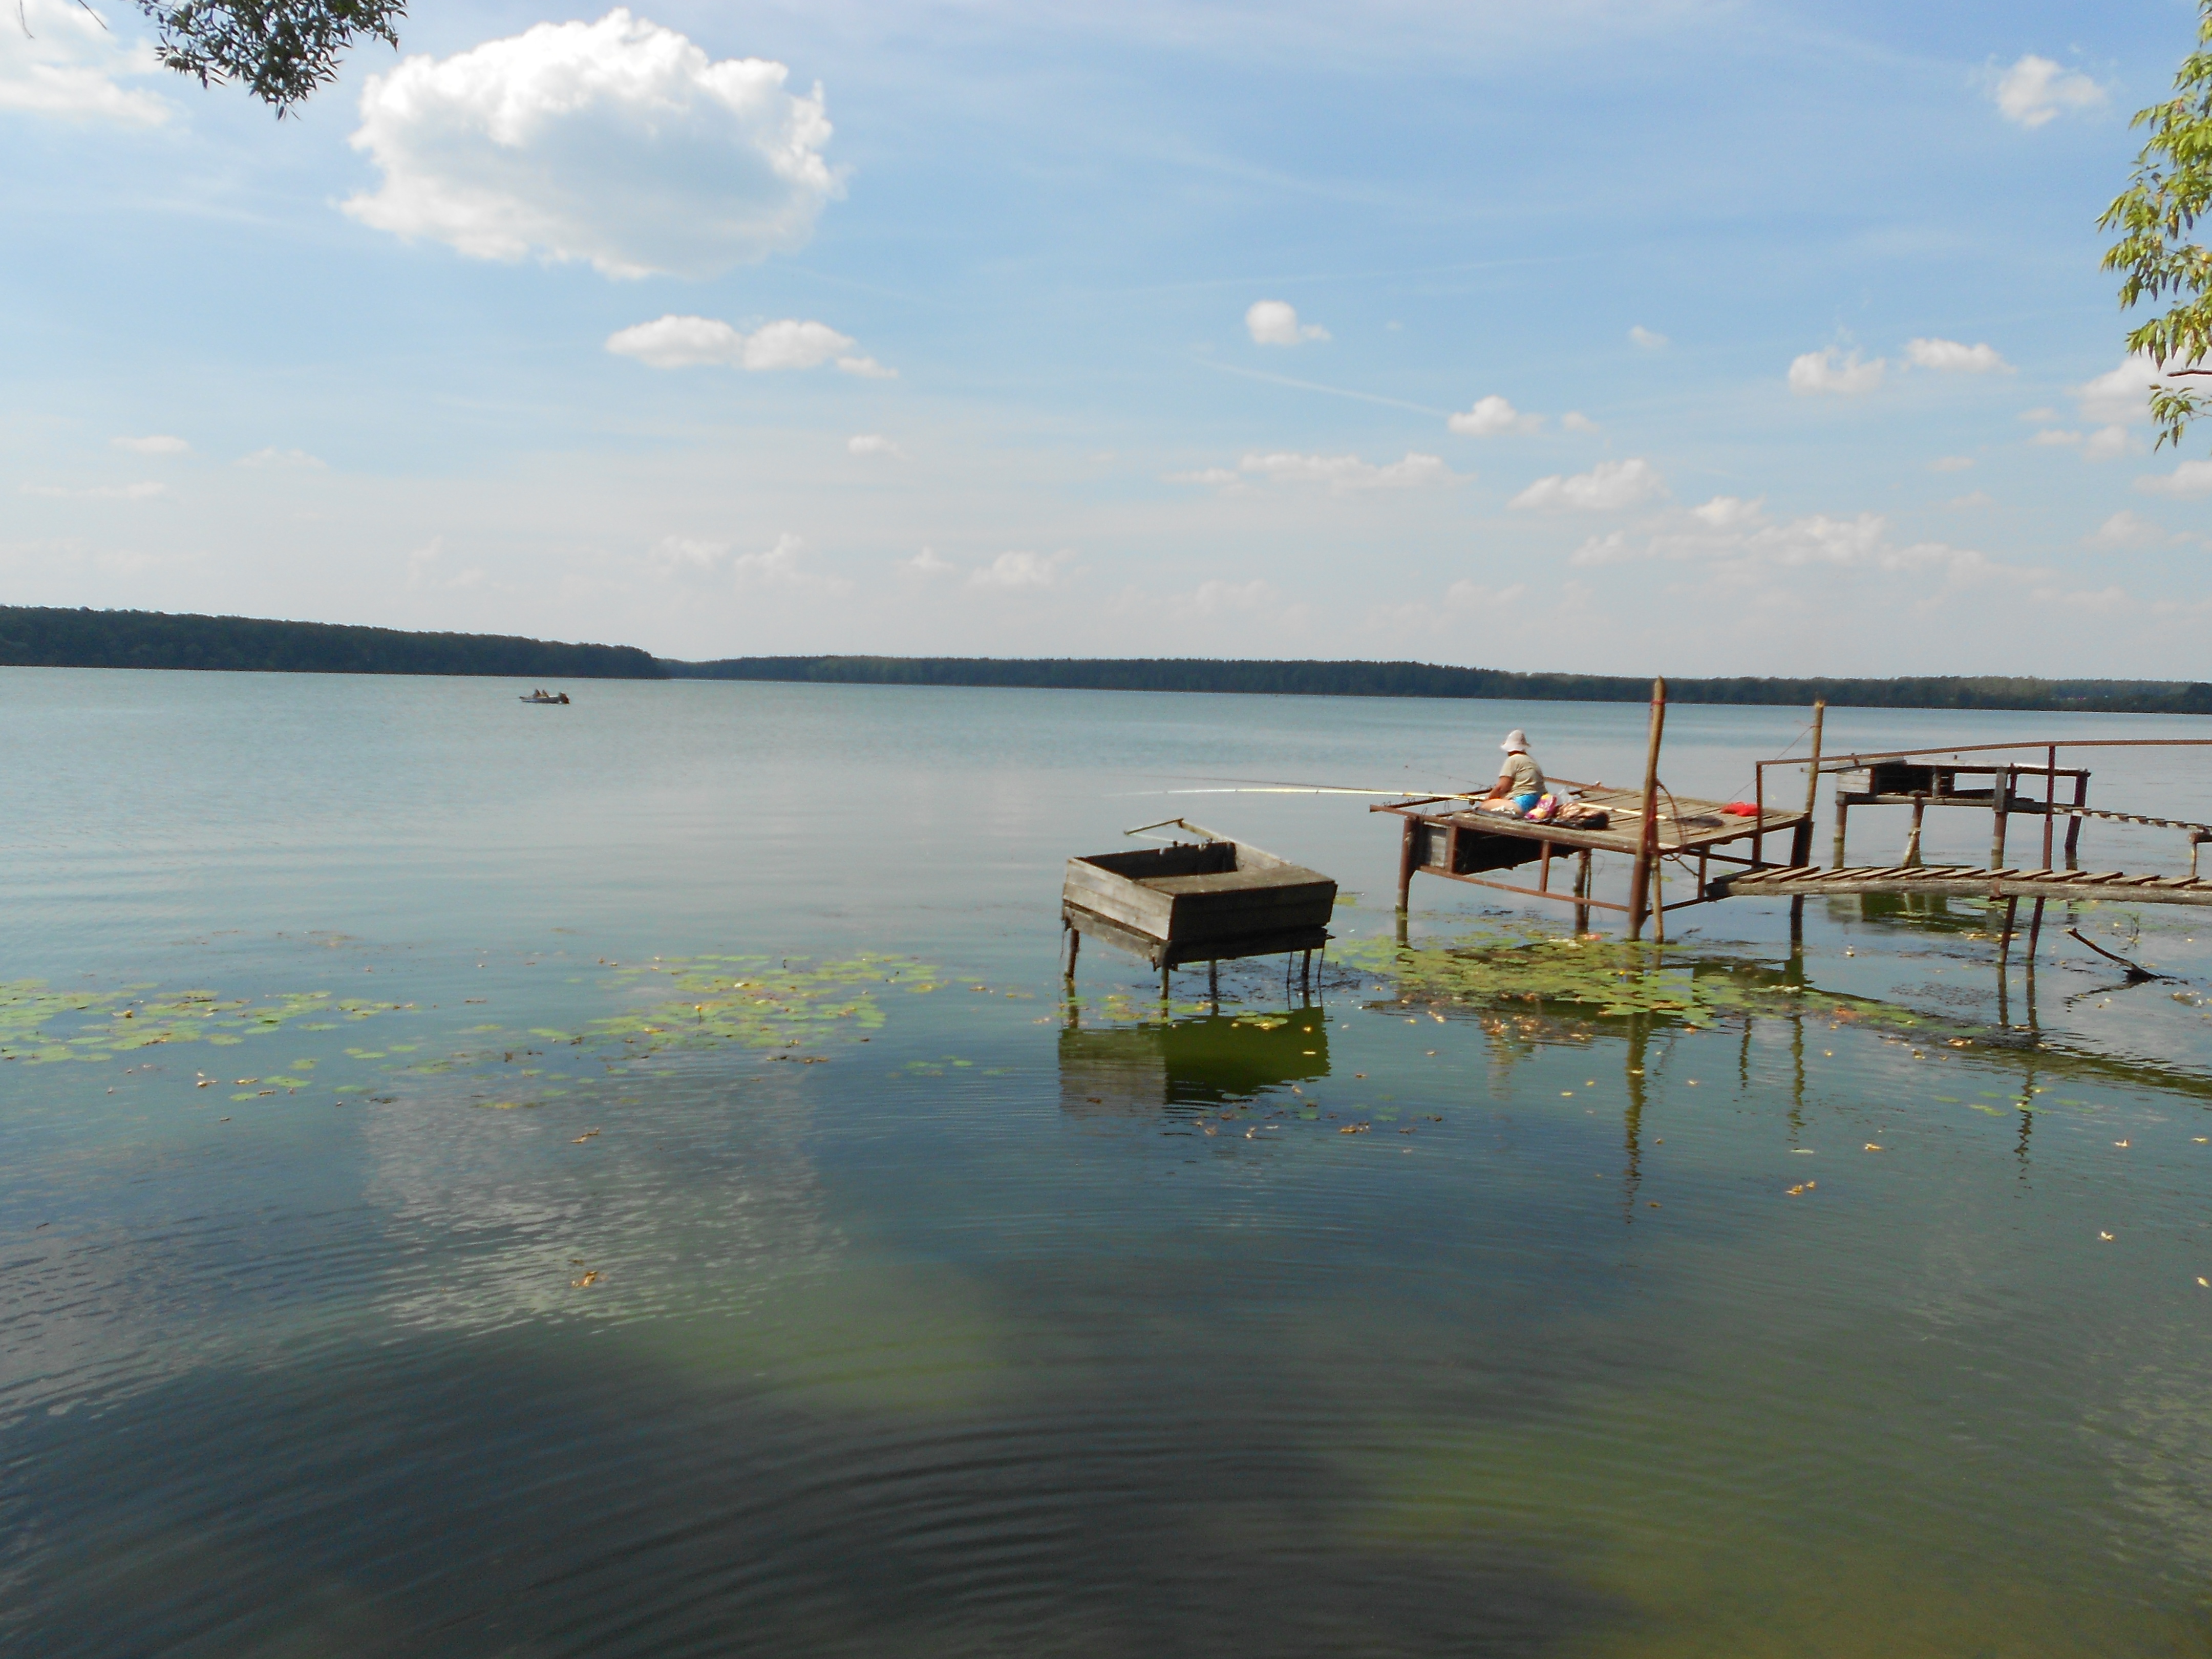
[[2135, 971]]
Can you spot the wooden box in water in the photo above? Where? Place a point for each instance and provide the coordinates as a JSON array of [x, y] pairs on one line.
[[1195, 903]]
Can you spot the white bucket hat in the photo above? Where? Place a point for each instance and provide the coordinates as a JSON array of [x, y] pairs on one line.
[[1517, 742]]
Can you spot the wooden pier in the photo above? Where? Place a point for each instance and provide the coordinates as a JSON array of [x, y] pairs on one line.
[[1444, 835]]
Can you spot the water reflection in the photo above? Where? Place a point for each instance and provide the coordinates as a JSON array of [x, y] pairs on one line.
[[1206, 1061]]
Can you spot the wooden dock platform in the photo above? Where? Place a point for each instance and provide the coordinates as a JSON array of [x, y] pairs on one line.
[[1964, 881], [1444, 836]]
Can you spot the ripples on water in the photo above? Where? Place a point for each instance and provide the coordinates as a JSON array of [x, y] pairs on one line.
[[1015, 1329]]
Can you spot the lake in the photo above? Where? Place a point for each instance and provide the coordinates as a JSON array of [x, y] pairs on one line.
[[625, 1179]]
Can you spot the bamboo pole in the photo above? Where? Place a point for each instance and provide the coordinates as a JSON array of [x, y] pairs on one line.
[[1801, 838], [1647, 845]]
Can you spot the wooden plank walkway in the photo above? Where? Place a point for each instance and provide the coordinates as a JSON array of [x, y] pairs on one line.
[[1964, 881], [1686, 824]]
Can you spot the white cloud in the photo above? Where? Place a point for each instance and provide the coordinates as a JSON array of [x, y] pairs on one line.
[[1973, 499], [793, 344], [675, 555], [1275, 322], [156, 446], [1953, 356], [926, 563], [2038, 414], [60, 59], [428, 570], [674, 341], [1609, 487], [2128, 529], [1216, 597], [1341, 472], [2035, 90], [1647, 338], [1575, 421], [296, 460], [1729, 513], [1490, 416], [1817, 371], [2190, 478], [130, 492], [618, 142], [780, 568], [1750, 544], [874, 443], [1950, 464], [1023, 570], [2119, 396], [2102, 444], [1220, 477]]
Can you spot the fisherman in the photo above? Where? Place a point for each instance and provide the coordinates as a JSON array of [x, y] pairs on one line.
[[1520, 781]]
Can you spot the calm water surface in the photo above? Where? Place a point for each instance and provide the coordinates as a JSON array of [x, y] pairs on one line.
[[622, 1179]]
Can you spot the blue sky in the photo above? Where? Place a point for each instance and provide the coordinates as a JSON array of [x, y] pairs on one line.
[[1686, 337]]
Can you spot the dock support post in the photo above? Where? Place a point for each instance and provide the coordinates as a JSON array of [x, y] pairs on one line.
[[2074, 824], [1911, 858], [1213, 984], [1647, 843], [2050, 821], [2034, 934], [2001, 792], [2005, 939], [1164, 971], [1842, 815], [1800, 839], [1408, 846], [1074, 945], [1583, 885], [1305, 974]]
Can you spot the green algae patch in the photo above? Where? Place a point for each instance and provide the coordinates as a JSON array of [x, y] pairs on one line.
[[743, 1001], [1607, 978], [103, 1024]]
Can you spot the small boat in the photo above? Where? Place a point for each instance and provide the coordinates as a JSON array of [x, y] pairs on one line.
[[541, 696]]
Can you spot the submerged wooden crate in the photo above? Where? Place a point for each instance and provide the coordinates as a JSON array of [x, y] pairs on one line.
[[1216, 900]]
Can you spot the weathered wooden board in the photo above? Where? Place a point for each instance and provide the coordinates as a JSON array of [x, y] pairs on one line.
[[1187, 895], [1959, 881]]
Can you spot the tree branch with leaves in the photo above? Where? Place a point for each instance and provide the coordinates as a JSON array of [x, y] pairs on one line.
[[280, 50], [2156, 218]]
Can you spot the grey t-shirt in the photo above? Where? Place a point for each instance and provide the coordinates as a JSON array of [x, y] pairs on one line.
[[1528, 777]]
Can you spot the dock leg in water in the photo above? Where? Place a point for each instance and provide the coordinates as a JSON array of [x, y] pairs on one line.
[[1843, 819], [2034, 934], [1407, 846], [1911, 858], [1305, 974], [1074, 945], [2005, 939], [1165, 972], [1213, 984], [1582, 891]]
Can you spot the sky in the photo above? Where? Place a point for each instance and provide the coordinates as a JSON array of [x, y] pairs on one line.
[[1607, 336]]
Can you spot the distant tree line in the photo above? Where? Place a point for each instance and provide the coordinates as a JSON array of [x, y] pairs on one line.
[[1421, 679], [39, 637]]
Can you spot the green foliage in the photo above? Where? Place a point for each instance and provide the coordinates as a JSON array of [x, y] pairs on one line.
[[2156, 216], [39, 636], [280, 50], [1421, 679]]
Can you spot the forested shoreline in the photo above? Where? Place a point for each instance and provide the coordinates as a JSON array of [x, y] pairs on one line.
[[1418, 679], [35, 637], [51, 637]]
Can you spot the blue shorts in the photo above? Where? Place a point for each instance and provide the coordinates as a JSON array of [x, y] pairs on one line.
[[1527, 803]]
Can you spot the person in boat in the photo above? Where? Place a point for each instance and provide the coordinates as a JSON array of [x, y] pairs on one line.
[[1520, 781]]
